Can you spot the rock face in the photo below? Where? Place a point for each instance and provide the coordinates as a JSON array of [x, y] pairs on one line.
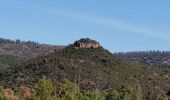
[[87, 43]]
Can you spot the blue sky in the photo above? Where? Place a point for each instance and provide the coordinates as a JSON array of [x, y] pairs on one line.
[[119, 25]]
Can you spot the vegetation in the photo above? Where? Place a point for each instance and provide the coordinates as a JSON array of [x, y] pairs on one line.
[[75, 73], [67, 90], [8, 60], [25, 49], [154, 58], [103, 73], [87, 40], [18, 41]]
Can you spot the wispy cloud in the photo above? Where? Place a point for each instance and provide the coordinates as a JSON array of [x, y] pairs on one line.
[[112, 23]]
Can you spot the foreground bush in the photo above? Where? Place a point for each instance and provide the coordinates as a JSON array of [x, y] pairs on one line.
[[67, 90], [43, 91], [2, 97]]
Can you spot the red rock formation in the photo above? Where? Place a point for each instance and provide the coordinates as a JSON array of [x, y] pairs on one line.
[[87, 43]]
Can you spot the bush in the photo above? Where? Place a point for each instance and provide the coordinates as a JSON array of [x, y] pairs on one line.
[[114, 95], [43, 90], [132, 92], [9, 94], [2, 93], [154, 95], [67, 90]]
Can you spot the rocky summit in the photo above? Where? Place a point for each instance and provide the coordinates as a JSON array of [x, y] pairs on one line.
[[87, 43]]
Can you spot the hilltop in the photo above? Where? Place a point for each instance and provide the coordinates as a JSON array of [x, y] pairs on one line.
[[85, 64], [87, 43]]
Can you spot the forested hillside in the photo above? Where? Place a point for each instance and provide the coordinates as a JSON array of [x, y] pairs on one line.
[[88, 68], [154, 58], [25, 49]]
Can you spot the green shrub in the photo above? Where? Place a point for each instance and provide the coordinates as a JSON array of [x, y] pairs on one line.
[[132, 92], [1, 93], [43, 90], [154, 95], [68, 90], [114, 95]]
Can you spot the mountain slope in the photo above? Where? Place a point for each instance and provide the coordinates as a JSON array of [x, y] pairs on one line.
[[9, 60], [154, 58], [78, 63], [25, 49]]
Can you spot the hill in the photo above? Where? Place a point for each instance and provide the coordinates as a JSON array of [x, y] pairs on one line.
[[14, 52], [25, 49], [80, 64], [153, 58]]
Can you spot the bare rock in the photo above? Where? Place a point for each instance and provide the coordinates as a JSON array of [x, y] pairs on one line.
[[87, 43]]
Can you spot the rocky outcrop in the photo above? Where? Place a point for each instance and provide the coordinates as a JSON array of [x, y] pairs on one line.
[[87, 43]]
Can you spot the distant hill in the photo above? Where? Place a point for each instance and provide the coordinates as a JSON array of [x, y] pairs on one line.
[[154, 58], [79, 63], [25, 49], [13, 52]]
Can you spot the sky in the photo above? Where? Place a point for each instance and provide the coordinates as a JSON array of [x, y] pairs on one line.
[[119, 25]]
